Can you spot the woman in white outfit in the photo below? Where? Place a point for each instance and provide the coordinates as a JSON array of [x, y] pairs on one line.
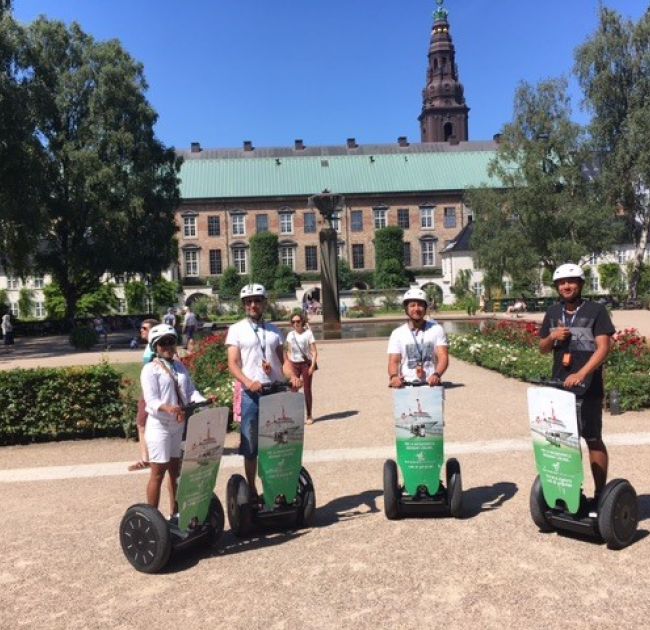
[[167, 388]]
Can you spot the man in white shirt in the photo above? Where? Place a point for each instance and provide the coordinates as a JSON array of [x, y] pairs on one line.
[[189, 325], [417, 350], [256, 359]]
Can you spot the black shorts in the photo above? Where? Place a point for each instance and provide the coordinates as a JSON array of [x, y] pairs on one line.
[[591, 419]]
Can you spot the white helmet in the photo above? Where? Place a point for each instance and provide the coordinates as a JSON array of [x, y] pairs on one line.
[[252, 290], [568, 270], [160, 331], [415, 294]]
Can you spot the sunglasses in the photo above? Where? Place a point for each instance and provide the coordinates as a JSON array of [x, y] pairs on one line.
[[296, 321], [165, 343], [255, 300]]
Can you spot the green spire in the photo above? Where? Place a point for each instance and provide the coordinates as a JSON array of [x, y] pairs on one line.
[[440, 13]]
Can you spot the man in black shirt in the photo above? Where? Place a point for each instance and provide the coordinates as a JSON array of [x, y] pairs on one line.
[[578, 332]]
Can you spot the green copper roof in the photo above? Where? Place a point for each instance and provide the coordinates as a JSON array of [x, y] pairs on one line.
[[229, 178]]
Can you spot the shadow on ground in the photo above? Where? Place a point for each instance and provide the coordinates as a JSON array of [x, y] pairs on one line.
[[339, 415], [348, 507], [450, 385], [487, 498], [182, 560]]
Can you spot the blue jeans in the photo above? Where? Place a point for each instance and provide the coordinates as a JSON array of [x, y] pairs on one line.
[[250, 413]]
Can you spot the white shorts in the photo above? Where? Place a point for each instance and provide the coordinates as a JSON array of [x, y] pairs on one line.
[[162, 443]]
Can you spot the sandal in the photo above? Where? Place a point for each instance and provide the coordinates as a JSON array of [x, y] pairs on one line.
[[141, 465]]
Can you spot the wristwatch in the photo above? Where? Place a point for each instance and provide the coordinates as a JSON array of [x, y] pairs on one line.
[[437, 374]]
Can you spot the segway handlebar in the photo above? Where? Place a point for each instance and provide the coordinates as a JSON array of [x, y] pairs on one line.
[[274, 388], [193, 406], [558, 383]]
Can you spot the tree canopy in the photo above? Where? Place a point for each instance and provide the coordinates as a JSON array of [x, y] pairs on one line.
[[103, 189], [613, 69], [547, 211]]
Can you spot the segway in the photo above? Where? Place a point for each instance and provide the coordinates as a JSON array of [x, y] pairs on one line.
[[288, 498], [146, 536], [557, 500], [419, 434]]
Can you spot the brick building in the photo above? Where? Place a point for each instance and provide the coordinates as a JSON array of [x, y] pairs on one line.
[[228, 195]]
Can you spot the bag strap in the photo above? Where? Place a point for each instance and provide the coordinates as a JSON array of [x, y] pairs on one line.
[[295, 341], [181, 400]]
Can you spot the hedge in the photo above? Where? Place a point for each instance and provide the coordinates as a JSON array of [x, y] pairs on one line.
[[63, 403]]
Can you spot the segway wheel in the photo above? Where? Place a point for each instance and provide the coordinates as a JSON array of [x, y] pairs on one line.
[[618, 514], [215, 521], [145, 539], [307, 494], [391, 490], [538, 507], [239, 509], [454, 488]]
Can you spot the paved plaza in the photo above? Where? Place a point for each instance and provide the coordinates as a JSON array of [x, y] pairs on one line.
[[62, 503]]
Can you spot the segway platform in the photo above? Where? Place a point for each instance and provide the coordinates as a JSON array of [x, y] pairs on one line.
[[146, 536], [419, 434], [557, 500], [288, 496]]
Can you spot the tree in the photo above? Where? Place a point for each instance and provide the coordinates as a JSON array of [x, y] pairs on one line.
[[611, 279], [21, 153], [102, 301], [264, 258], [346, 277], [613, 69], [4, 302], [286, 280], [110, 187], [231, 283], [26, 303], [389, 258], [546, 209], [136, 294], [54, 301], [164, 293]]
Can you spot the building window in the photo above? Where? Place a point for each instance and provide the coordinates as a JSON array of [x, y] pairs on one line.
[[403, 219], [38, 282], [261, 223], [12, 283], [426, 217], [189, 227], [215, 262], [287, 256], [477, 287], [192, 263], [310, 223], [121, 306], [13, 308], [356, 221], [311, 258], [340, 250], [380, 215], [450, 217], [593, 259], [239, 224], [286, 223], [239, 259], [39, 310], [407, 254], [148, 304], [214, 226], [507, 287], [595, 285], [118, 278], [428, 253], [358, 260], [620, 256]]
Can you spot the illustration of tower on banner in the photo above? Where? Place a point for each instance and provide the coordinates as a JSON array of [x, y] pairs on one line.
[[445, 114]]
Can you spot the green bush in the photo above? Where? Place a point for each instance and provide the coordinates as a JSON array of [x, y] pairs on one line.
[[55, 403], [83, 337]]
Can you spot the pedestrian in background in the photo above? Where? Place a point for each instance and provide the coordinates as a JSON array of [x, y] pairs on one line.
[[303, 354], [7, 329]]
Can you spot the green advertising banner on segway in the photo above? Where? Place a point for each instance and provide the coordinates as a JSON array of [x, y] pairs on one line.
[[206, 433], [419, 426], [280, 441], [556, 442]]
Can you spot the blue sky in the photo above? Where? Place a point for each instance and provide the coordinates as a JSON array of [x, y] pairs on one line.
[[224, 71]]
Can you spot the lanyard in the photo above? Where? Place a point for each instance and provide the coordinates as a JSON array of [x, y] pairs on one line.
[[261, 342], [418, 347], [573, 317]]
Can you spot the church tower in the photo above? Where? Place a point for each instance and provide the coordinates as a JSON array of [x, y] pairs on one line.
[[445, 114]]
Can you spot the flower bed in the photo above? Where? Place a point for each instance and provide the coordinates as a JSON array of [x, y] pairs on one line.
[[512, 348]]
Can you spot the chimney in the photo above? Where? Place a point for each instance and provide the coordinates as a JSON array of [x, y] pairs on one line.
[[352, 143], [497, 138], [402, 141], [298, 145], [248, 145], [195, 147]]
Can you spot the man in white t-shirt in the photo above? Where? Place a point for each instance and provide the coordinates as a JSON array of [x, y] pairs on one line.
[[256, 359], [417, 350]]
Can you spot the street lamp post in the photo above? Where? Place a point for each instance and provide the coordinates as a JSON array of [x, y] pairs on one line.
[[328, 204]]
